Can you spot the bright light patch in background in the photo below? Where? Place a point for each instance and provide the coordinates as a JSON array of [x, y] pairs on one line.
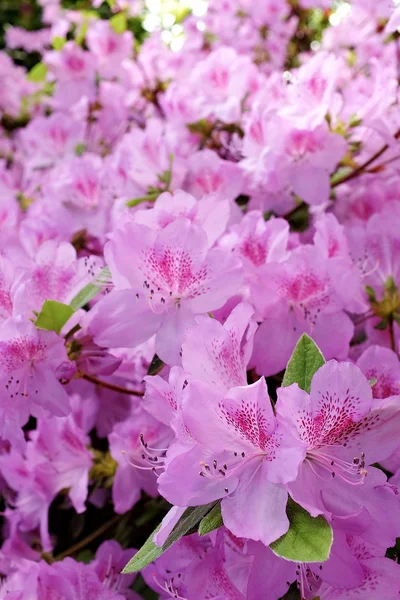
[[342, 11], [165, 15]]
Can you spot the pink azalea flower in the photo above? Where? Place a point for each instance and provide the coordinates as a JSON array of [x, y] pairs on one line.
[[7, 276], [209, 174], [56, 458], [381, 576], [36, 490], [62, 444], [242, 456], [47, 140], [30, 363], [313, 91], [30, 41], [141, 157], [287, 154], [56, 275], [343, 432], [211, 213], [109, 47], [109, 561], [14, 87], [174, 276], [383, 365], [257, 241], [330, 240], [74, 70], [344, 572], [298, 296], [394, 22], [224, 79], [219, 354], [73, 581], [168, 575], [137, 444], [163, 398]]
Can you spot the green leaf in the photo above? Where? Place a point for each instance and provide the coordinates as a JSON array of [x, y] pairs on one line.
[[119, 22], [155, 366], [81, 32], [80, 149], [370, 293], [151, 197], [306, 359], [211, 521], [340, 174], [268, 215], [53, 315], [58, 42], [149, 552], [382, 325], [308, 539], [83, 297], [166, 176], [38, 73], [189, 520], [89, 291], [85, 556]]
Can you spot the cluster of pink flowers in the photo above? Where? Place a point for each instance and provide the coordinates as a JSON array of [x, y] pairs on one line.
[[173, 221]]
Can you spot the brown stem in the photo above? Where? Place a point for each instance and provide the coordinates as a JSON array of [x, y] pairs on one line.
[[359, 170], [364, 318], [383, 164], [392, 338], [90, 538], [111, 386]]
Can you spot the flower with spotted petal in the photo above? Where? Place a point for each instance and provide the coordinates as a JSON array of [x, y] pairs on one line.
[[342, 431], [163, 279], [243, 455], [30, 363]]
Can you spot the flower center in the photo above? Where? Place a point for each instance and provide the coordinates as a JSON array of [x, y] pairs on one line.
[[352, 473]]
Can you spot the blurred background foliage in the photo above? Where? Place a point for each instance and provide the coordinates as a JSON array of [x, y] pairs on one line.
[[155, 14]]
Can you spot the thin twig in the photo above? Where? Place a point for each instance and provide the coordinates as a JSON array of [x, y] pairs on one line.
[[391, 333], [383, 164], [364, 318], [89, 539], [359, 170], [111, 386]]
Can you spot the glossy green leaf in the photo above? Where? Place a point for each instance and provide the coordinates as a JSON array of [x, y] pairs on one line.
[[119, 22], [211, 521], [53, 316], [38, 73], [308, 539], [81, 33], [89, 291], [342, 173], [306, 359], [58, 42], [156, 366], [149, 552], [151, 197]]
